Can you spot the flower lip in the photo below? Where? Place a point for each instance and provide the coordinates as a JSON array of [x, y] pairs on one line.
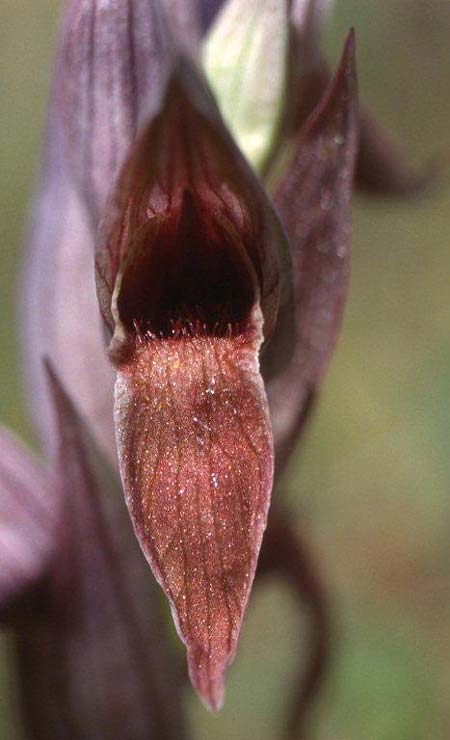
[[189, 273]]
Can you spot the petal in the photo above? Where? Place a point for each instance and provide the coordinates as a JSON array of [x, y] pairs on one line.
[[60, 317], [114, 62], [208, 11], [308, 18], [94, 662], [308, 71], [187, 271], [184, 17], [111, 70], [314, 201], [27, 521], [245, 57]]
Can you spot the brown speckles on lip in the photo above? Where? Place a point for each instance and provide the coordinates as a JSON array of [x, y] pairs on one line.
[[197, 463]]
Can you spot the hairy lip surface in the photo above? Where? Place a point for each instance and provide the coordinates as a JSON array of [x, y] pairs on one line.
[[196, 457]]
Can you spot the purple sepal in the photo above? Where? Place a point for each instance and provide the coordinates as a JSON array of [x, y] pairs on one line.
[[27, 522], [313, 199], [93, 660], [111, 71]]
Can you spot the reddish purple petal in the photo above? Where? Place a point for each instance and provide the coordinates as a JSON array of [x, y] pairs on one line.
[[307, 71], [110, 75], [189, 278], [184, 18], [27, 521], [314, 202], [60, 313], [308, 18], [114, 63], [93, 659]]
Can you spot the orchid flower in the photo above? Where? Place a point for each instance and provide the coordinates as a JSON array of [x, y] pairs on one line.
[[185, 362]]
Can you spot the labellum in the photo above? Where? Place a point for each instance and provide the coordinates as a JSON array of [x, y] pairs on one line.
[[190, 279]]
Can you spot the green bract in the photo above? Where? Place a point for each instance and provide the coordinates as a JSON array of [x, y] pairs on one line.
[[245, 58]]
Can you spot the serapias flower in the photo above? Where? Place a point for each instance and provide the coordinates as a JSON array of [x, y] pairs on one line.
[[190, 277], [195, 287], [220, 298], [193, 278]]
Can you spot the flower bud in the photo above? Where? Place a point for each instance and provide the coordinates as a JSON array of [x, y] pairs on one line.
[[246, 57]]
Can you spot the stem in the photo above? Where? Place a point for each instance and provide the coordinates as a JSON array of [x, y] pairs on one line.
[[285, 553]]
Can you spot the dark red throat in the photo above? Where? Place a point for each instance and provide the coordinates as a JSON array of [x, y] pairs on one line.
[[187, 275]]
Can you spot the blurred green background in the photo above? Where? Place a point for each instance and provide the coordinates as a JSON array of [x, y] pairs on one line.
[[371, 486]]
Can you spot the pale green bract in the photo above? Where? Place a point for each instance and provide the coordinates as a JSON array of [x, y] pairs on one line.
[[245, 59]]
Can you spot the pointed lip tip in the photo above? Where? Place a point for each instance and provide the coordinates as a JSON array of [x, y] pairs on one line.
[[211, 692], [214, 699]]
